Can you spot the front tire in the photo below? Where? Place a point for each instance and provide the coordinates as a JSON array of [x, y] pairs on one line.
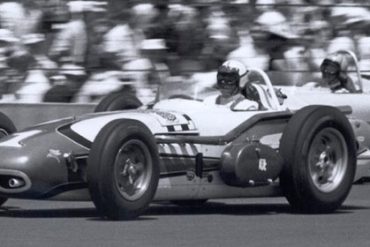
[[123, 169], [6, 128], [319, 151]]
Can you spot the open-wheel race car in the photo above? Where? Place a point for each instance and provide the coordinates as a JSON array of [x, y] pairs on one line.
[[183, 150]]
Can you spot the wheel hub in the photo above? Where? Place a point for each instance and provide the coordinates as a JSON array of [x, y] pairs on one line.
[[325, 167], [328, 159], [132, 170]]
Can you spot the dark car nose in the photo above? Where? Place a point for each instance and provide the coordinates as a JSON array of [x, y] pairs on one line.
[[28, 171]]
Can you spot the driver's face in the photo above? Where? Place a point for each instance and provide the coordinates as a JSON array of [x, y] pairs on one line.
[[228, 83], [330, 74]]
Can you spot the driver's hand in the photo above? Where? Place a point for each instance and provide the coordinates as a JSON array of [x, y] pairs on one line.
[[280, 95]]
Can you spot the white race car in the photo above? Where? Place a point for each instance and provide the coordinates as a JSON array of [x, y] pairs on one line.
[[184, 150]]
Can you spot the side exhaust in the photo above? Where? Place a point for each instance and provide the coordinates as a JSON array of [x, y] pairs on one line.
[[16, 183], [13, 181]]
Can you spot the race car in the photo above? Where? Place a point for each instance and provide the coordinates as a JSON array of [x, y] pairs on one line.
[[186, 151]]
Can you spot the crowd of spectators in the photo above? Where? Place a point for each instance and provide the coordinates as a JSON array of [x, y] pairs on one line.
[[49, 53]]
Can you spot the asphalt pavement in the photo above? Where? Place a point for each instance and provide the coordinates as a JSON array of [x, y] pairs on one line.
[[239, 222]]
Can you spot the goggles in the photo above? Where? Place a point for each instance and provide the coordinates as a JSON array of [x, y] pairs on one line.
[[227, 79], [329, 67]]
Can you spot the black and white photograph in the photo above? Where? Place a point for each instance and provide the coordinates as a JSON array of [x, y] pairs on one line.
[[142, 123]]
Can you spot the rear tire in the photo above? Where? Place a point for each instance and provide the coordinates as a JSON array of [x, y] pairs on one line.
[[117, 102], [319, 151], [123, 169], [6, 128]]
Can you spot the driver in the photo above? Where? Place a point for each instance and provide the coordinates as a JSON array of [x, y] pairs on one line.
[[333, 70], [231, 76]]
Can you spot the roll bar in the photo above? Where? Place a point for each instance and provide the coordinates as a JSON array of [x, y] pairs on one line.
[[355, 61], [271, 92]]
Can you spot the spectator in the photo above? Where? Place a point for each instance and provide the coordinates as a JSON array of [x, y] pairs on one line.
[[39, 69], [189, 35], [151, 70], [120, 43], [154, 50], [6, 49], [21, 18], [343, 37], [143, 16], [97, 25], [273, 34], [318, 34], [34, 44], [222, 38], [71, 42], [162, 26], [269, 46], [11, 16], [33, 17], [248, 53]]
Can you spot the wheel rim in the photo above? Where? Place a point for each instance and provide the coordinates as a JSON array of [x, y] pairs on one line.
[[132, 169], [328, 160]]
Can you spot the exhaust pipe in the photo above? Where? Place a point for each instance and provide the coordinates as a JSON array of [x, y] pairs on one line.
[[15, 183]]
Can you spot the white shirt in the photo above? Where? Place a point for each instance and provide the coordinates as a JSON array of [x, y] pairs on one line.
[[72, 38], [121, 41]]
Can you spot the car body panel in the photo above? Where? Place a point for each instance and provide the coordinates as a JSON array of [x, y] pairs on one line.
[[52, 149], [298, 97]]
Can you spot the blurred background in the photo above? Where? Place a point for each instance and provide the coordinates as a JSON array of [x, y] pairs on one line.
[[79, 51]]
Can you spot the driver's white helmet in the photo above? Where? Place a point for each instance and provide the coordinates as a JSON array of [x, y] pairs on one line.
[[238, 68], [338, 58]]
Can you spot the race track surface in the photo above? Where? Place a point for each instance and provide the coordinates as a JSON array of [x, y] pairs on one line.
[[244, 222]]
